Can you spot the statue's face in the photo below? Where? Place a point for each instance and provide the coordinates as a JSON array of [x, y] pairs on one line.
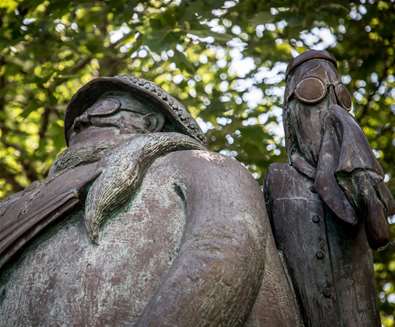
[[112, 114], [317, 80]]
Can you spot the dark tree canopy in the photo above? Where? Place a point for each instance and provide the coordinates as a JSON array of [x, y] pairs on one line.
[[225, 60]]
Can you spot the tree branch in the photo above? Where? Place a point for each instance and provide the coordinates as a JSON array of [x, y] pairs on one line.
[[44, 124], [369, 100], [10, 177]]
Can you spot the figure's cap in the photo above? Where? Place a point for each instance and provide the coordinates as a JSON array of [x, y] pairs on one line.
[[309, 55], [168, 105]]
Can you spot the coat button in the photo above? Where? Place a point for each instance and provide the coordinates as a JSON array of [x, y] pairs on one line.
[[315, 219], [326, 292], [2, 294], [320, 255]]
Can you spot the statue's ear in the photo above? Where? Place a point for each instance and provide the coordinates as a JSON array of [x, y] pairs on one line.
[[154, 121]]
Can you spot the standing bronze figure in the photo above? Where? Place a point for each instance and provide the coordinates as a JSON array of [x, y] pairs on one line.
[[329, 205], [139, 225]]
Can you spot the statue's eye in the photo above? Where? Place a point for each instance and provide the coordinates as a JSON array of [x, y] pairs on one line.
[[105, 107], [310, 90]]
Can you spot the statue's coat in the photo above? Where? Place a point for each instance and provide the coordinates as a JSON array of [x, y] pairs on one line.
[[330, 262]]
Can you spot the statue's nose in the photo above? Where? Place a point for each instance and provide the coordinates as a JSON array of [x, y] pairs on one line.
[[81, 121]]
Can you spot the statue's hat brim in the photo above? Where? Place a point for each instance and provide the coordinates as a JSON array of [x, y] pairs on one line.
[[87, 95], [309, 55]]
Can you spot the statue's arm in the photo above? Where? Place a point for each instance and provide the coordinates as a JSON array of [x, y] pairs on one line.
[[215, 278]]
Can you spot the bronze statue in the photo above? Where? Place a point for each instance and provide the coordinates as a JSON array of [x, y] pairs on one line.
[[138, 224], [330, 202]]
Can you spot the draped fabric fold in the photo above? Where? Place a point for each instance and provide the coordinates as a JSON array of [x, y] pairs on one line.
[[344, 151]]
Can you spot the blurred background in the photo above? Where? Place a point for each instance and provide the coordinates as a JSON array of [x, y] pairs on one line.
[[225, 60]]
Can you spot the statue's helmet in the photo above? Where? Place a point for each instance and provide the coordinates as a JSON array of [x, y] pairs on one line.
[[309, 77], [309, 55], [175, 113]]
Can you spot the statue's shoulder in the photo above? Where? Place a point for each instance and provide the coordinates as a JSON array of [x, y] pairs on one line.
[[278, 172], [208, 167], [195, 161], [283, 179]]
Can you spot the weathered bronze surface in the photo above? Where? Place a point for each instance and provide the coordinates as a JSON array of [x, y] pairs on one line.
[[329, 205], [138, 224]]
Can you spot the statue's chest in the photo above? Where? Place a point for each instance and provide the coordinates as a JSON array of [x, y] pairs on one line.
[[64, 279]]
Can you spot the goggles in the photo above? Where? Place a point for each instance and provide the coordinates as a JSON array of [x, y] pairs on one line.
[[108, 107], [312, 90], [104, 108]]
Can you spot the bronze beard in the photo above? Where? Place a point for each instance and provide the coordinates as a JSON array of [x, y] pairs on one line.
[[123, 163]]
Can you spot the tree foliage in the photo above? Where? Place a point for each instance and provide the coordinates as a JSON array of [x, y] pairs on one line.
[[224, 59]]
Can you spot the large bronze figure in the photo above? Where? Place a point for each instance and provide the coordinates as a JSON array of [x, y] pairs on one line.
[[330, 202], [138, 224]]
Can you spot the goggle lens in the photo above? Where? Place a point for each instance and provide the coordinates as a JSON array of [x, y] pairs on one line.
[[310, 90], [343, 96], [105, 107]]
